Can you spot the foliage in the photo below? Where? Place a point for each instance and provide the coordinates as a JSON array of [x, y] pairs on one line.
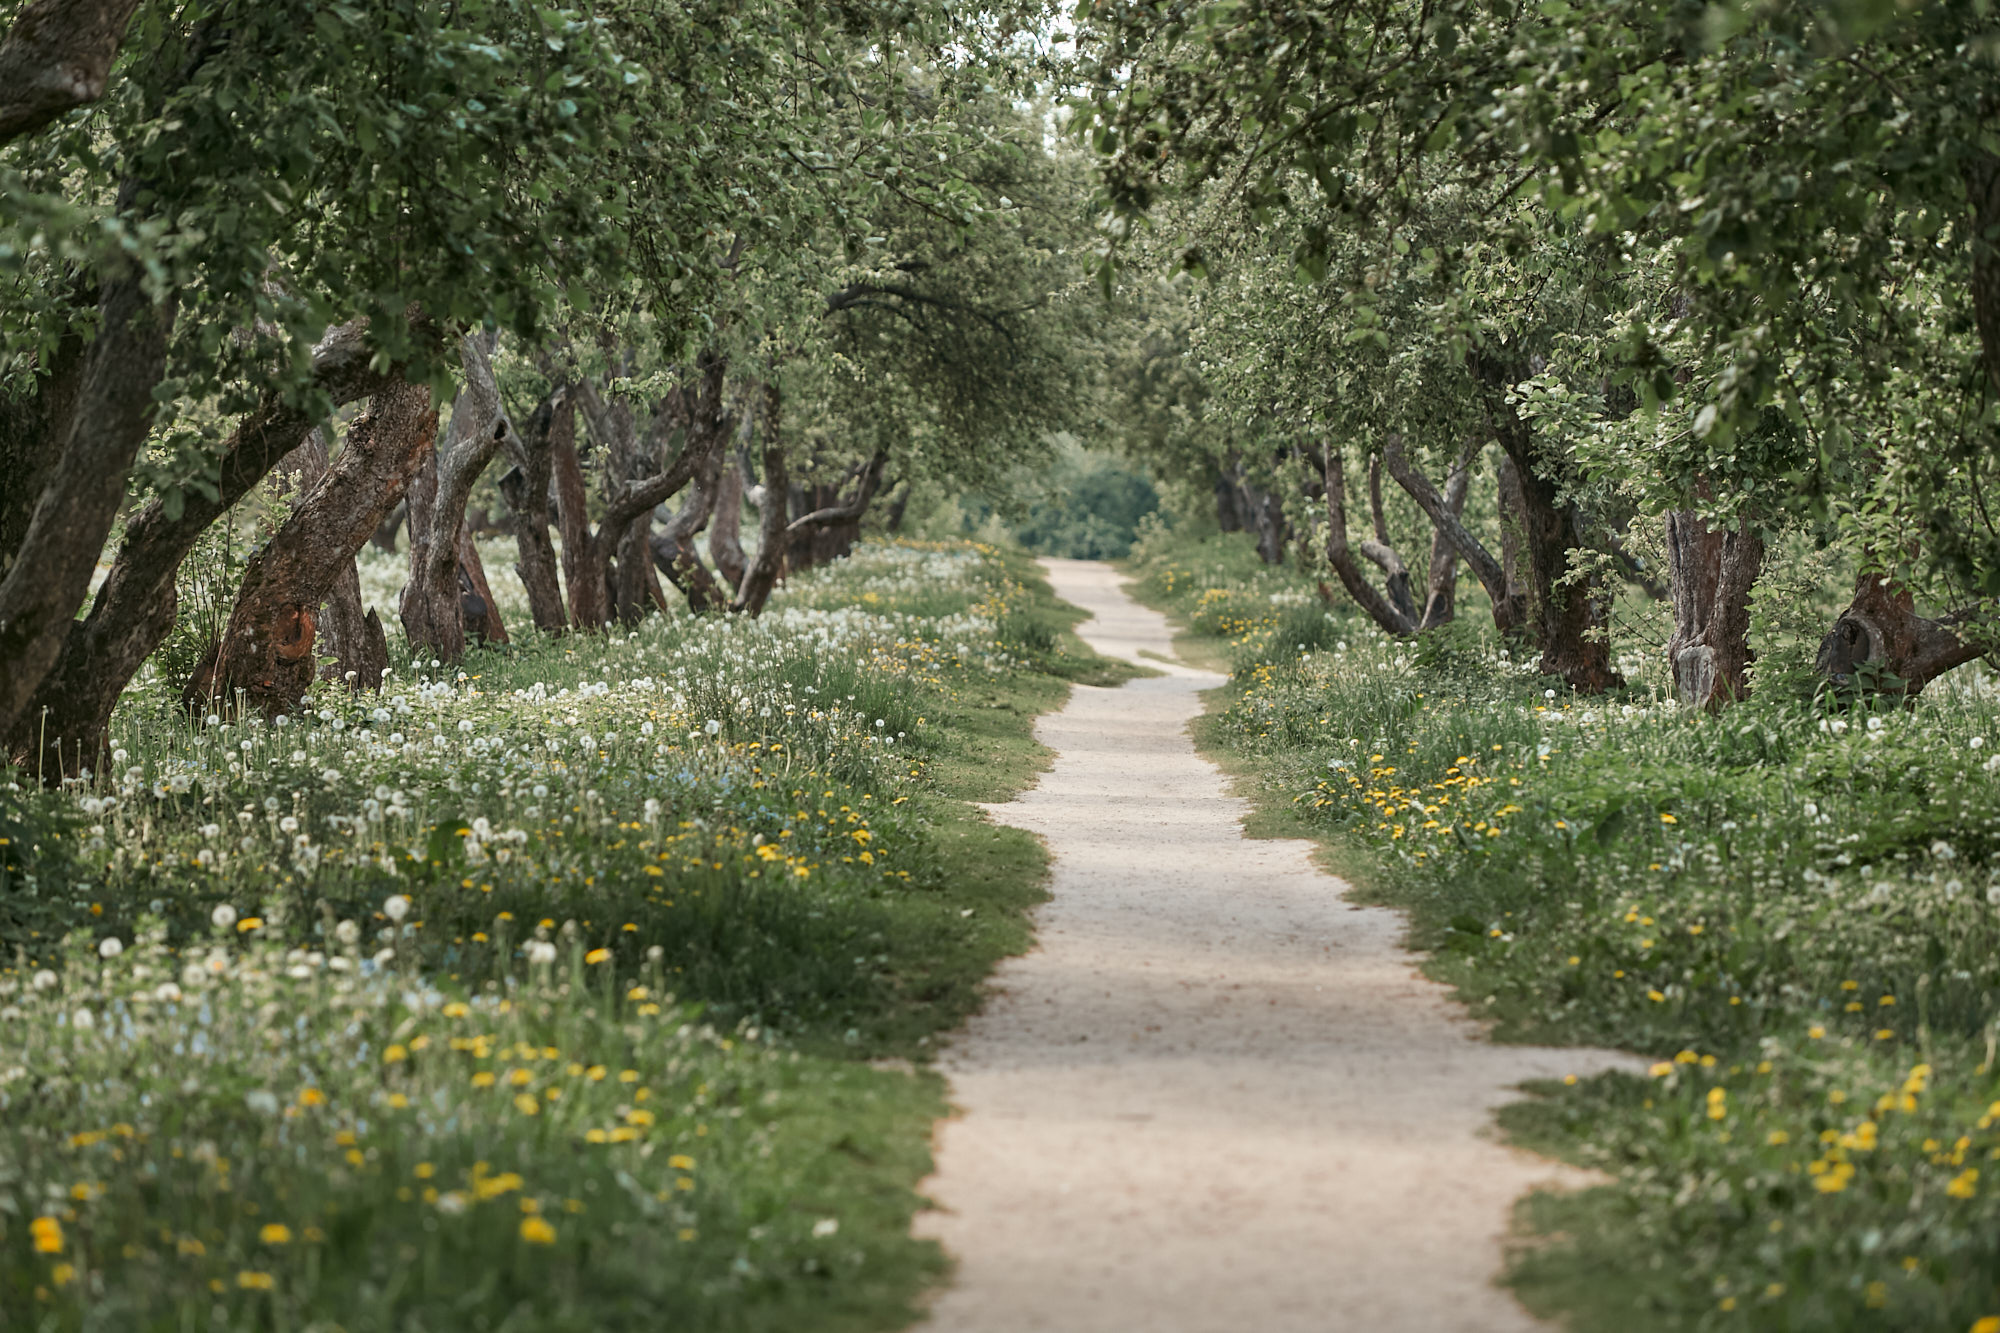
[[532, 994], [1794, 909]]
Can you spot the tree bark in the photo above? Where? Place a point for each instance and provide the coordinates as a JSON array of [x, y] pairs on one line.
[[582, 567], [770, 497], [348, 632], [266, 653], [433, 605], [477, 609], [1568, 618], [135, 608], [1880, 645], [725, 540], [1395, 575], [1711, 572], [1381, 609], [57, 57], [1510, 609], [1441, 587], [836, 516], [526, 490], [107, 423]]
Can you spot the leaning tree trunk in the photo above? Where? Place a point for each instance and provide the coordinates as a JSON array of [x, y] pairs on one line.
[[266, 653], [1880, 645], [433, 604], [135, 607], [48, 577], [526, 489], [1510, 603], [1711, 572], [1441, 586], [348, 632], [1569, 618], [1383, 609]]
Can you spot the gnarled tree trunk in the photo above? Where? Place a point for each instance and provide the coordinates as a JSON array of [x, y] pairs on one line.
[[1711, 572], [477, 610], [56, 57], [1881, 645], [1383, 609], [1569, 618], [1510, 604], [266, 653], [348, 632], [95, 442], [433, 604], [771, 498], [134, 609], [725, 529], [526, 489]]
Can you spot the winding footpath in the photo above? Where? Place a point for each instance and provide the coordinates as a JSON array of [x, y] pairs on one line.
[[1216, 1097]]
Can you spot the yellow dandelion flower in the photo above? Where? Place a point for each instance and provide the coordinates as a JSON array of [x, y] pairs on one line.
[[536, 1231], [275, 1233], [48, 1235], [251, 1280]]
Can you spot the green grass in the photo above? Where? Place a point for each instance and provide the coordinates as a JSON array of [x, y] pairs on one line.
[[1794, 909], [760, 903]]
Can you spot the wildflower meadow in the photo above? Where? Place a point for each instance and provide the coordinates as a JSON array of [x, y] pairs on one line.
[[565, 987], [1793, 907]]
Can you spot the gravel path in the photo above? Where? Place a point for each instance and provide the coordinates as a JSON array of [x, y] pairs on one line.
[[1216, 1098]]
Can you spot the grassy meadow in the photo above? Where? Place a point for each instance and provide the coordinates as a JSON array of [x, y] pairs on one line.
[[584, 985], [1793, 907]]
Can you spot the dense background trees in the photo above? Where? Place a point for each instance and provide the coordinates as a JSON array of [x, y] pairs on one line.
[[773, 251], [1587, 304], [1721, 268]]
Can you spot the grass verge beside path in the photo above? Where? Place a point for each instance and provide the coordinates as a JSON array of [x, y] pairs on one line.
[[1794, 907], [569, 989]]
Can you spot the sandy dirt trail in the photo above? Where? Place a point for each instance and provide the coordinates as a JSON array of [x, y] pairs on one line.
[[1216, 1098]]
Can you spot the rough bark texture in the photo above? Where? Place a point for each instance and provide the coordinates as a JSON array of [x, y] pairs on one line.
[[348, 633], [770, 497], [725, 529], [57, 57], [28, 425], [673, 546], [1510, 609], [107, 423], [433, 603], [1380, 608], [1711, 571], [1880, 645], [526, 490], [134, 609], [1441, 585], [478, 612], [266, 653], [830, 528], [635, 481], [1568, 618], [582, 566]]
